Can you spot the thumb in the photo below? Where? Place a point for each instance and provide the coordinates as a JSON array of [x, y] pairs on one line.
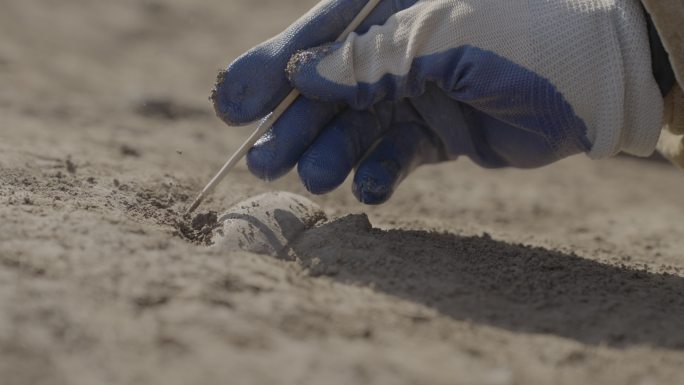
[[375, 66]]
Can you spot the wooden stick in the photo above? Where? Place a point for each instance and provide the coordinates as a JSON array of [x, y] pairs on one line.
[[268, 121]]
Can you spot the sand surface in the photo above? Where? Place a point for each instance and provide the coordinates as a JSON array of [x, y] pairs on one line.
[[572, 274]]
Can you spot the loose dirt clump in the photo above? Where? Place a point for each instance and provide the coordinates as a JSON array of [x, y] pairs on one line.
[[127, 150], [70, 166], [199, 228]]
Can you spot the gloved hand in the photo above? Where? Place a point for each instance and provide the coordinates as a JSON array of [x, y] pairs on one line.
[[519, 83]]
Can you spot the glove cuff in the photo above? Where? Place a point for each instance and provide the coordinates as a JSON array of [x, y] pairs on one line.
[[638, 120]]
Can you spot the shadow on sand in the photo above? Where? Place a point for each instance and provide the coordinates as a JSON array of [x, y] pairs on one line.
[[514, 287]]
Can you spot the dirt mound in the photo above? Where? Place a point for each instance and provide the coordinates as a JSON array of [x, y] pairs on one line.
[[198, 229]]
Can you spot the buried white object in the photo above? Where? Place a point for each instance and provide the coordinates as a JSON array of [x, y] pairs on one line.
[[266, 224]]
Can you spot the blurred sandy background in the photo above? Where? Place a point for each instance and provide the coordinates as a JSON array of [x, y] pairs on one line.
[[572, 274]]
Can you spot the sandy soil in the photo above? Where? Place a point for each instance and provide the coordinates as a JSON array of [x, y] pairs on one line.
[[573, 274]]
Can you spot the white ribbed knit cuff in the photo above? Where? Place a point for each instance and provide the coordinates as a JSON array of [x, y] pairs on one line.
[[643, 105]]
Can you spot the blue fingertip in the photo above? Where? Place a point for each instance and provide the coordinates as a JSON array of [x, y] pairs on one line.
[[263, 160], [403, 148], [325, 165], [319, 178], [374, 183], [249, 88], [379, 174]]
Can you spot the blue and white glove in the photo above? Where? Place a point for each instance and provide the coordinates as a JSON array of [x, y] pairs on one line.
[[519, 83]]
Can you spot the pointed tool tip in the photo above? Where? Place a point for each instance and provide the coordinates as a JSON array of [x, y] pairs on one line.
[[195, 205]]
